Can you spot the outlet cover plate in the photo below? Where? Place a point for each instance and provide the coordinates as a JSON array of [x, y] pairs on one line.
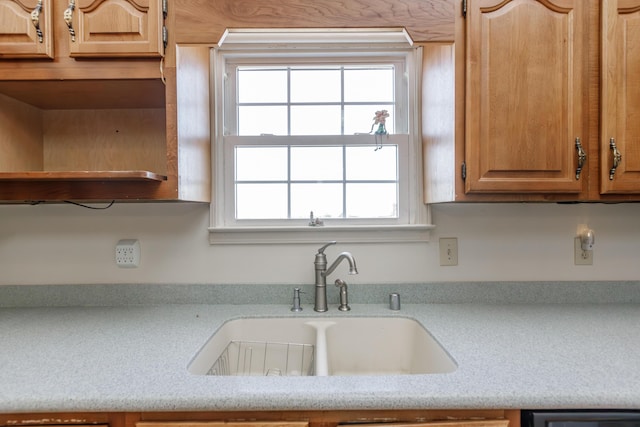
[[127, 254], [581, 257]]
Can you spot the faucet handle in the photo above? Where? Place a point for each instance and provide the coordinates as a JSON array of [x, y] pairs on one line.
[[321, 250], [296, 300]]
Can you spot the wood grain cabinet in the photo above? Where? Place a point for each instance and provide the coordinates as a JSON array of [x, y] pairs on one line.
[[90, 28], [25, 29], [100, 120], [547, 103], [525, 79], [620, 105], [450, 418], [109, 28]]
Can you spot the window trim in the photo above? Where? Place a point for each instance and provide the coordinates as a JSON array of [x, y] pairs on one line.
[[419, 220]]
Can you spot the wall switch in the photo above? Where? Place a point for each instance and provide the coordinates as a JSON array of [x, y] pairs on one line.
[[448, 251], [128, 253], [581, 257]]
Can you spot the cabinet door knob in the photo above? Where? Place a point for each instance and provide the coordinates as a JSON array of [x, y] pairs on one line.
[[68, 19], [617, 158], [35, 19], [582, 158]]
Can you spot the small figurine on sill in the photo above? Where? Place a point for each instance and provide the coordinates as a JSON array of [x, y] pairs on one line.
[[379, 119]]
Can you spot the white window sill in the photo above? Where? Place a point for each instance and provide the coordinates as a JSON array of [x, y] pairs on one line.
[[307, 234]]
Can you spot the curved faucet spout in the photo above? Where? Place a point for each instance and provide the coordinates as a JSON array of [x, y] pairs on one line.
[[321, 270], [353, 269]]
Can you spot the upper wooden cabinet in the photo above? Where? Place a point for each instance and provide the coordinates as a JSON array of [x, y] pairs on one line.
[[116, 28], [525, 80], [620, 106], [109, 126], [25, 29], [91, 28], [531, 79]]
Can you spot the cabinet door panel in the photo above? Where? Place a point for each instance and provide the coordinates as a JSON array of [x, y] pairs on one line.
[[19, 37], [620, 96], [117, 28], [524, 88]]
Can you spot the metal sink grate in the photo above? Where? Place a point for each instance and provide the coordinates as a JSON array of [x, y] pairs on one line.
[[264, 358]]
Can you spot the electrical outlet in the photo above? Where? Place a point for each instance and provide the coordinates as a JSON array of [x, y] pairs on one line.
[[128, 253], [580, 256], [448, 251]]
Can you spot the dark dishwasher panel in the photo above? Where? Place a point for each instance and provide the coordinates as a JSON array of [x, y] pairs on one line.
[[599, 418]]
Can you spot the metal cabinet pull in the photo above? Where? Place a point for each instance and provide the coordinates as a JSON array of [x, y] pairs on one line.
[[617, 158], [582, 158], [35, 19], [68, 18]]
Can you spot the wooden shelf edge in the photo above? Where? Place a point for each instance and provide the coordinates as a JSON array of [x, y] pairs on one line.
[[82, 176]]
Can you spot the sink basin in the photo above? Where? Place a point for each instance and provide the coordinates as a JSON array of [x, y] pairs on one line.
[[322, 346], [384, 346]]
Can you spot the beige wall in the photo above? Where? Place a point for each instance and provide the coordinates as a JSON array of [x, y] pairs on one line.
[[65, 244]]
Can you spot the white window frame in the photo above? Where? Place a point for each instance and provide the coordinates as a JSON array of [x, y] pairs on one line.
[[413, 226]]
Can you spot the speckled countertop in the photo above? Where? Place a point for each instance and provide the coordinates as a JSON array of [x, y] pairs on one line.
[[135, 358]]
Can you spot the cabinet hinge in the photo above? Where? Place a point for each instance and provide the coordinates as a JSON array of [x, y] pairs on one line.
[[464, 8], [463, 171], [165, 32], [165, 37]]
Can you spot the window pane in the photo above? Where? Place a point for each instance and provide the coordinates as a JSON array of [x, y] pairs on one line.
[[315, 85], [372, 201], [262, 120], [316, 120], [261, 201], [368, 85], [367, 163], [359, 118], [316, 163], [262, 86], [325, 200], [261, 163]]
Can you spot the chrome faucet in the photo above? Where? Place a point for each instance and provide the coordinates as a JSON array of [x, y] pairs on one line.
[[322, 272]]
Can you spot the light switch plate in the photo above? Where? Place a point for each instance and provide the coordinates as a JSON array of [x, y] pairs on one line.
[[448, 251]]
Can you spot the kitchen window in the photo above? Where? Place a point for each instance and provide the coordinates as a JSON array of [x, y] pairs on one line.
[[316, 132]]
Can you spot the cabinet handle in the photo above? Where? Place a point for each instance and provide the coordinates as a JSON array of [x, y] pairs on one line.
[[617, 158], [35, 19], [582, 158], [68, 18]]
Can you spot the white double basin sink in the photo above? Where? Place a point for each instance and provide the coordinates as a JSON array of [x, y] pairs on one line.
[[322, 346]]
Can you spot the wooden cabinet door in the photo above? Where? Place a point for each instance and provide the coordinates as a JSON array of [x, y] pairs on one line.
[[525, 85], [620, 109], [117, 28], [25, 29]]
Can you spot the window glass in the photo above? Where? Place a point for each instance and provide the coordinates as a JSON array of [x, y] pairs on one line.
[[261, 163], [330, 181], [309, 85], [323, 199], [264, 201], [262, 86], [368, 85], [262, 120], [316, 163]]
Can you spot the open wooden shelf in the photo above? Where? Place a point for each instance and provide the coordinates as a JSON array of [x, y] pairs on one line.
[[82, 176]]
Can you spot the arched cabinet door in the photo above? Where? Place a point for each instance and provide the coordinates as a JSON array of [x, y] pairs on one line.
[[620, 106], [115, 28], [25, 29], [525, 85]]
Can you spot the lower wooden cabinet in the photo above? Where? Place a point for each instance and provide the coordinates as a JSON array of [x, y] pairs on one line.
[[311, 418], [364, 418]]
